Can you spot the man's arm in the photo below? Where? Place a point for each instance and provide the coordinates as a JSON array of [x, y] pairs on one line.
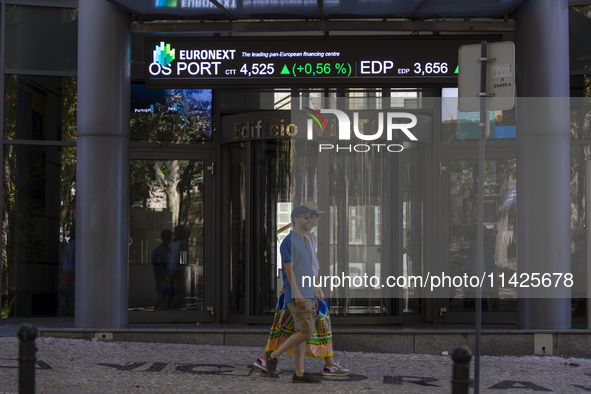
[[295, 290]]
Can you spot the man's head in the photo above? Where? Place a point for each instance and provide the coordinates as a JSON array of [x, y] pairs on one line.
[[166, 236], [314, 212], [301, 218]]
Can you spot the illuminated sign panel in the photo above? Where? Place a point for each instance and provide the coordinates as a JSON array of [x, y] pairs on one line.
[[195, 62]]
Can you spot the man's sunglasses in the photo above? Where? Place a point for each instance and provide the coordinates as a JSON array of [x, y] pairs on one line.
[[309, 216]]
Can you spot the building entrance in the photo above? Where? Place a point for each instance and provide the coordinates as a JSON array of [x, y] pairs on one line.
[[170, 238], [459, 212], [372, 224]]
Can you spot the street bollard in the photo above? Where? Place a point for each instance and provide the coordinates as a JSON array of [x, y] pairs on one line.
[[460, 381], [26, 359]]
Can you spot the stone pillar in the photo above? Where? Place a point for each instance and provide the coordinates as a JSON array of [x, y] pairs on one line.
[[543, 159], [102, 171]]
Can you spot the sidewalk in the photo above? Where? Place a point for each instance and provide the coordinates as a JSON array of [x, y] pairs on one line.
[[80, 366]]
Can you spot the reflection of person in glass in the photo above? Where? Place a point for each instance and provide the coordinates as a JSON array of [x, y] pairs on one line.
[[67, 275], [176, 267], [160, 258], [195, 261], [490, 291]]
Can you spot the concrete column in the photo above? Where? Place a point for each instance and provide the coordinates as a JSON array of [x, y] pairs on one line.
[[543, 159], [102, 177]]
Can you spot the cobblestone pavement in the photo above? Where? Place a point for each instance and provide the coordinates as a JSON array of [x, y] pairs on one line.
[[78, 366]]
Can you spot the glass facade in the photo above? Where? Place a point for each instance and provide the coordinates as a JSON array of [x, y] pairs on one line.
[[38, 230], [579, 193], [271, 177], [357, 247], [500, 230], [39, 108], [580, 27], [255, 269], [166, 267], [386, 202], [238, 211], [41, 38], [39, 160]]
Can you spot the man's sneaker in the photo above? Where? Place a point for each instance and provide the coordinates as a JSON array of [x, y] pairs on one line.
[[260, 363], [305, 378], [270, 364], [335, 370]]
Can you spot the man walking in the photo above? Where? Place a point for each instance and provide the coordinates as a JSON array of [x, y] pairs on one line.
[[296, 260]]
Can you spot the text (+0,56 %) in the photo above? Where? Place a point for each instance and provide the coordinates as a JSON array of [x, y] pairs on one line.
[[321, 69]]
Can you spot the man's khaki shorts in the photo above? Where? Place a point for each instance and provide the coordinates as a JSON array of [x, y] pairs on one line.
[[303, 319]]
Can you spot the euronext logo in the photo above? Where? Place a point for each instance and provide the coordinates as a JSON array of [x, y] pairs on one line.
[[163, 54]]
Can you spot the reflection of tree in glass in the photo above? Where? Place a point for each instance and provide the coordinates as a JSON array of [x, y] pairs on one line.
[[7, 210], [68, 155], [142, 178], [7, 189], [27, 180], [303, 170], [190, 192], [182, 186], [580, 127], [580, 155]]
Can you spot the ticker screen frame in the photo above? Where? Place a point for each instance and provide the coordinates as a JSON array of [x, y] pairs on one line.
[[198, 62]]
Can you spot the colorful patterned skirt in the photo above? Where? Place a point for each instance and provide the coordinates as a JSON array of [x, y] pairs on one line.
[[319, 345]]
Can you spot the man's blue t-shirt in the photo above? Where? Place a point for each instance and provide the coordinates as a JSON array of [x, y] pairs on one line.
[[295, 249]]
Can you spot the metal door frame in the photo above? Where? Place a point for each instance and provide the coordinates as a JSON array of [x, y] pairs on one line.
[[468, 151], [209, 268]]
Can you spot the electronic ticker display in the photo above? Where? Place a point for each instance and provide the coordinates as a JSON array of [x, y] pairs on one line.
[[194, 62]]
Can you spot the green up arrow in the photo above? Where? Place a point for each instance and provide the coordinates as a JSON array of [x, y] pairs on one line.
[[285, 70]]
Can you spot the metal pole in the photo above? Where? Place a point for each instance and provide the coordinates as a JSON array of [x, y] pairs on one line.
[[460, 381], [26, 359], [480, 224]]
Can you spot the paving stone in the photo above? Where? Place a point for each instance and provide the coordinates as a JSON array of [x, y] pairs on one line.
[[86, 366]]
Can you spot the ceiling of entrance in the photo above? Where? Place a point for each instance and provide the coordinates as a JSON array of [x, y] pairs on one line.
[[316, 9]]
